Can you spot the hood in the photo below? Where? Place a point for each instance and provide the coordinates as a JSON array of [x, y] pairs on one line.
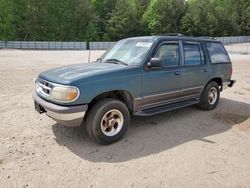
[[68, 74]]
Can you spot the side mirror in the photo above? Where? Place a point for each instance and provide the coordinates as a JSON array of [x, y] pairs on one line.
[[155, 63]]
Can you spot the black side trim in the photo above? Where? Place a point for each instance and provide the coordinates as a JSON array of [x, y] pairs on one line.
[[166, 98], [165, 108]]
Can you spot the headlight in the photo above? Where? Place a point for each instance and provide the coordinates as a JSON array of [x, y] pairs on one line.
[[64, 94]]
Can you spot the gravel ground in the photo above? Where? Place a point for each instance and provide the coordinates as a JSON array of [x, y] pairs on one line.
[[183, 148], [243, 48]]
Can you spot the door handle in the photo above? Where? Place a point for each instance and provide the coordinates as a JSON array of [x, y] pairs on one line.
[[177, 73], [205, 70]]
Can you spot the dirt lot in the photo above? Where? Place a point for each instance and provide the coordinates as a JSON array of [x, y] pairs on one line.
[[182, 148]]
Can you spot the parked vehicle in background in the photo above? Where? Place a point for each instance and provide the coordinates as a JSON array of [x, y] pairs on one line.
[[138, 76]]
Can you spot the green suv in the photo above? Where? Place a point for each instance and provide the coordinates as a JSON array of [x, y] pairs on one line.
[[138, 76]]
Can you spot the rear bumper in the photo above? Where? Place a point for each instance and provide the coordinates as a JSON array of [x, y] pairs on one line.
[[228, 83], [65, 115]]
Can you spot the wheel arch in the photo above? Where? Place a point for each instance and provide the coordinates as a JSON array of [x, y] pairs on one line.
[[122, 95], [218, 80]]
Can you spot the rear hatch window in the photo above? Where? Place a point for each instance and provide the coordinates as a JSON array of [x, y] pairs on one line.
[[217, 53]]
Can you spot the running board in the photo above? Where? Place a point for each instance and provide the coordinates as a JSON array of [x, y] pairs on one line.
[[166, 108]]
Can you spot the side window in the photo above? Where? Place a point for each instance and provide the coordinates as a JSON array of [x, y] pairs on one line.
[[217, 52], [169, 53], [193, 55]]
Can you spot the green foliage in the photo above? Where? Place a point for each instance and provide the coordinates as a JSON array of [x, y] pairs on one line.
[[123, 21], [217, 17], [109, 20], [200, 18], [58, 20], [164, 16], [238, 12], [91, 33], [7, 27], [102, 10]]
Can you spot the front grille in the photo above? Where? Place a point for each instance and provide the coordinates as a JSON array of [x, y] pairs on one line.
[[43, 87]]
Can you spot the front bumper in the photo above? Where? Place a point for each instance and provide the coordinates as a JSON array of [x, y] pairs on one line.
[[65, 115], [228, 83]]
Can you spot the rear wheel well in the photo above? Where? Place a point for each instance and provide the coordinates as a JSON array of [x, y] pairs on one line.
[[120, 95], [217, 80]]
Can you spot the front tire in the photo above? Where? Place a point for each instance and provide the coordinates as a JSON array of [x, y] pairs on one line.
[[210, 96], [107, 121]]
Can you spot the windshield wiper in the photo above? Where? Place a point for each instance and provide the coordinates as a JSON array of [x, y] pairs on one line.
[[116, 61]]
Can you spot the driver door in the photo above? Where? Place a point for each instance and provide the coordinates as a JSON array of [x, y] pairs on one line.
[[162, 85]]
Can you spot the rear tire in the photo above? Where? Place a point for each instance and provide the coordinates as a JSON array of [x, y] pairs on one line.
[[107, 121], [210, 96]]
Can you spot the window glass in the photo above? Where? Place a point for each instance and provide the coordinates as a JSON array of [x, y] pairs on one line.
[[169, 53], [130, 51], [217, 53], [192, 55], [202, 55]]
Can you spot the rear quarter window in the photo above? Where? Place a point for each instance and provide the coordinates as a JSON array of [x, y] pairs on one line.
[[217, 53]]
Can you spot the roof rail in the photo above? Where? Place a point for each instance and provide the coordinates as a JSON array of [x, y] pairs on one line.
[[173, 34], [206, 37]]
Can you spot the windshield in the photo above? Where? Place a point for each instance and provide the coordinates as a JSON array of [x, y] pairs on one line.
[[128, 51]]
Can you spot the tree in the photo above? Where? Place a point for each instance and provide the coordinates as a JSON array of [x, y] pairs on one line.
[[139, 7], [217, 17], [55, 20], [238, 12], [164, 16], [123, 21], [81, 20], [7, 27], [102, 10], [91, 33], [200, 18]]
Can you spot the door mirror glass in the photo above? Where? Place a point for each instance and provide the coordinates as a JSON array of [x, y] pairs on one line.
[[155, 63]]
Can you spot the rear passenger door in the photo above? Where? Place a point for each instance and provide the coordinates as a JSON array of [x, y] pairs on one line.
[[194, 71]]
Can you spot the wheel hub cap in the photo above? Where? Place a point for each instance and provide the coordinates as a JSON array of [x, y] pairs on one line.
[[212, 96], [112, 122]]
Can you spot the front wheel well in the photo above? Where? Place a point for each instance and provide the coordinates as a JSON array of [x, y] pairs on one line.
[[121, 95]]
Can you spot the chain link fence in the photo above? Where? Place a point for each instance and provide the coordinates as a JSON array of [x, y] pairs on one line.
[[100, 45], [43, 45], [39, 45], [234, 40]]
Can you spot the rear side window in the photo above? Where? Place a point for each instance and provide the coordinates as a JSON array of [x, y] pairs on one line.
[[192, 54], [217, 53]]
